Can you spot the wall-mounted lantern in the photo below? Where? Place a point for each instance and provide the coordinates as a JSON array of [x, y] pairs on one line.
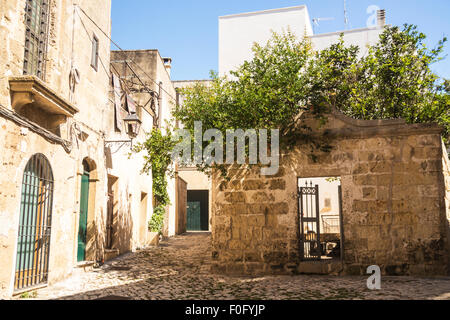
[[132, 125], [132, 128]]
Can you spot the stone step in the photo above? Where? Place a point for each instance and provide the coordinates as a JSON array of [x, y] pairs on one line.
[[85, 266], [320, 267], [111, 254]]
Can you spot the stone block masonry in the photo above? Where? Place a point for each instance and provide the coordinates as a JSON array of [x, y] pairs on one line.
[[395, 190]]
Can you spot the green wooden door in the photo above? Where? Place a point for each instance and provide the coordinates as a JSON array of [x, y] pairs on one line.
[[194, 216], [82, 230]]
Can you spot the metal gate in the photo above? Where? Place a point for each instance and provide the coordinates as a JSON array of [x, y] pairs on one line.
[[309, 216], [33, 244]]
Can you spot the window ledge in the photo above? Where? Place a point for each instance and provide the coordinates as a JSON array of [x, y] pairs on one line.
[[30, 90]]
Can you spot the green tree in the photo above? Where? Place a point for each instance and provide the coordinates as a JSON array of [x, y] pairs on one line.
[[286, 78], [266, 92], [393, 80]]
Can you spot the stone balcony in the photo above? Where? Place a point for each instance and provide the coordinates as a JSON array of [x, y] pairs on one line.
[[33, 99]]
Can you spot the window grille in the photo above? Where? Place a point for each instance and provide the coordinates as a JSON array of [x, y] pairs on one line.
[[36, 37]]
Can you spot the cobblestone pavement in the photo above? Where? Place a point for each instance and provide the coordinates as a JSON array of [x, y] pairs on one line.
[[179, 270]]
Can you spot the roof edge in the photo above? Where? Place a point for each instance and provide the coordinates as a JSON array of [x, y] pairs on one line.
[[244, 14]]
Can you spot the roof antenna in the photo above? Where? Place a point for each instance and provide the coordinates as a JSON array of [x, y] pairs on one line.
[[345, 15]]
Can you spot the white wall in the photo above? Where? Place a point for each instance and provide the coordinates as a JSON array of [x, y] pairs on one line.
[[360, 37], [238, 33]]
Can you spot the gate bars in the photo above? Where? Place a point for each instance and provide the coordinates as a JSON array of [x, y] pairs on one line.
[[33, 246], [310, 247]]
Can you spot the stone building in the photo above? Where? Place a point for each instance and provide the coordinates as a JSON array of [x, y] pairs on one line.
[[147, 77], [70, 195], [394, 205]]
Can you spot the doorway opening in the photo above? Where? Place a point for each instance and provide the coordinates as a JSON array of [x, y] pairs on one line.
[[85, 248], [320, 218], [111, 211], [143, 226], [198, 210]]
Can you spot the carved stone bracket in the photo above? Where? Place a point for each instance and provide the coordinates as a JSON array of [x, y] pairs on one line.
[[31, 91]]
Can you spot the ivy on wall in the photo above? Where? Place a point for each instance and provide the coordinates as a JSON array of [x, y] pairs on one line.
[[158, 148]]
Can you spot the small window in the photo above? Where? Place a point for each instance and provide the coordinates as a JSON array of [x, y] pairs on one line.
[[95, 47]]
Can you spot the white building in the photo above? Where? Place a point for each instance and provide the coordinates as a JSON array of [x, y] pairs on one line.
[[238, 33]]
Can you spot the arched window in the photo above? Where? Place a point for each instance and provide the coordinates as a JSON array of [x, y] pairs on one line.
[[33, 244]]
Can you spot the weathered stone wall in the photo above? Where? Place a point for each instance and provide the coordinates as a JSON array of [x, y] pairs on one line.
[[393, 189], [181, 207], [446, 171], [148, 68], [70, 43]]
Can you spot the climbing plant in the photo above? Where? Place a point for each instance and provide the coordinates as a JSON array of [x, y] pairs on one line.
[[157, 160], [268, 92], [157, 221]]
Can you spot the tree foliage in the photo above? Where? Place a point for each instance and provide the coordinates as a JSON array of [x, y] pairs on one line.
[[394, 80], [157, 221], [286, 77]]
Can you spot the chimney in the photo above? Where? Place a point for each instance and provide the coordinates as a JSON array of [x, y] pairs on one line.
[[168, 64], [381, 18]]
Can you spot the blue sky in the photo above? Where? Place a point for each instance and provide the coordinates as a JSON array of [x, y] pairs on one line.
[[187, 30]]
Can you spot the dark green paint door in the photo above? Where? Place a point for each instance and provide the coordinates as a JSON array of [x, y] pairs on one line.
[[194, 216], [82, 230]]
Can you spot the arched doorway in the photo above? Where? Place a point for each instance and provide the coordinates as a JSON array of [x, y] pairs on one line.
[[84, 210], [33, 244]]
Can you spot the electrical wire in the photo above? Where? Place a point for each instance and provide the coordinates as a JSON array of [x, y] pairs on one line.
[[67, 145], [122, 50]]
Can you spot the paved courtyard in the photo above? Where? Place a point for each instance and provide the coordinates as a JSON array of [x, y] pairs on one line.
[[179, 270]]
